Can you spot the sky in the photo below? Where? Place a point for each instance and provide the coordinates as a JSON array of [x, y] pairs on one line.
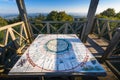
[[69, 6]]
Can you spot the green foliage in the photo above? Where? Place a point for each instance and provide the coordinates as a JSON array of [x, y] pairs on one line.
[[3, 22], [62, 16], [109, 12], [14, 20], [118, 15], [58, 16], [52, 16], [1, 36], [36, 23], [101, 16], [110, 15], [40, 17]]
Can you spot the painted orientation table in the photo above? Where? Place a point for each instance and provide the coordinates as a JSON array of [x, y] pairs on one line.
[[57, 54]]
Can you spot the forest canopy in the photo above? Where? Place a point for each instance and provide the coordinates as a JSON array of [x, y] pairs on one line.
[[109, 14], [3, 22], [58, 16]]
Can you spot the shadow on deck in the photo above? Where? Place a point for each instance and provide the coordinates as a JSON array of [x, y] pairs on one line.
[[95, 45]]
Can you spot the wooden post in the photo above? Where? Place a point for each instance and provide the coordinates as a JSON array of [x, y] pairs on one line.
[[90, 17], [66, 28], [98, 26], [94, 25], [103, 29], [48, 28], [113, 43], [23, 14], [82, 33], [109, 29]]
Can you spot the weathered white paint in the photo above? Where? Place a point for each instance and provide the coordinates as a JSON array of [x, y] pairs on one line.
[[57, 53]]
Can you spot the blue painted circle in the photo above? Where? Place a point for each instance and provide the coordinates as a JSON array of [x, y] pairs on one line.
[[57, 45]]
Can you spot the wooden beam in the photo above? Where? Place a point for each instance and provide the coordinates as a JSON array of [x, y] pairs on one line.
[[10, 26], [23, 14], [94, 25], [48, 27], [13, 37], [82, 33], [113, 43], [113, 69], [90, 17]]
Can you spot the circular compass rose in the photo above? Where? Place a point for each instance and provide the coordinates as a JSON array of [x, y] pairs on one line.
[[57, 45]]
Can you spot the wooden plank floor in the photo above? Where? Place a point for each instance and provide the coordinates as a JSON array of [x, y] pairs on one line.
[[102, 43], [97, 47]]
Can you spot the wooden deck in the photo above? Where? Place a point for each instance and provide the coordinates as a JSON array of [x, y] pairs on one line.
[[97, 47], [94, 44]]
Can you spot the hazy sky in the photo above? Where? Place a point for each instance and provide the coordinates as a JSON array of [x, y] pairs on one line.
[[74, 6]]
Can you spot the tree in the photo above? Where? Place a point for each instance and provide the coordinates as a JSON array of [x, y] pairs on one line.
[[14, 20], [3, 22], [62, 16], [59, 16], [40, 17], [109, 12], [52, 16], [118, 15]]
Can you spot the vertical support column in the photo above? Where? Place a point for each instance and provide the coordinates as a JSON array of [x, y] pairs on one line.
[[48, 28], [82, 33], [23, 14], [113, 43], [66, 28], [93, 26], [90, 16]]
